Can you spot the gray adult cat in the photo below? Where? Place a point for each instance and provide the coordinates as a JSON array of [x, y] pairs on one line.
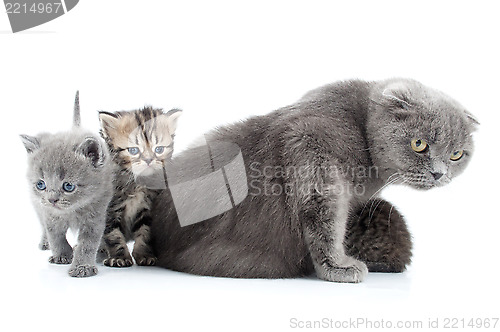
[[323, 162], [71, 184]]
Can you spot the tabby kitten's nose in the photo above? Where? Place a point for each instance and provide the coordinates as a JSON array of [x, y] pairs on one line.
[[148, 161], [53, 200], [437, 176]]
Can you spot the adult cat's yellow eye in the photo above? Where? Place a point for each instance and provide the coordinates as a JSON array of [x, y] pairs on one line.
[[457, 155], [419, 145]]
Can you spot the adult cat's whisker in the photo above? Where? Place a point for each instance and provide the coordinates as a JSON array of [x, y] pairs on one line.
[[395, 177]]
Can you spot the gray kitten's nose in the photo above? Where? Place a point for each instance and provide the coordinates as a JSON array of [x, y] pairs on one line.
[[148, 161], [53, 200], [437, 176]]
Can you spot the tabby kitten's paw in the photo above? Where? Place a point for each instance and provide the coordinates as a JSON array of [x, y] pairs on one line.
[[352, 271], [145, 260], [60, 259], [119, 262], [82, 271]]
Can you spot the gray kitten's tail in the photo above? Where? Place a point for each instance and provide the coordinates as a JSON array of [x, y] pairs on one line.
[[76, 110]]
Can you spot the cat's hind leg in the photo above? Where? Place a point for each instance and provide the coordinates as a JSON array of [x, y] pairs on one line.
[[378, 236], [44, 242]]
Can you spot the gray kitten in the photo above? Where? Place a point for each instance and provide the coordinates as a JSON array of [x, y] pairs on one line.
[[71, 184], [313, 173]]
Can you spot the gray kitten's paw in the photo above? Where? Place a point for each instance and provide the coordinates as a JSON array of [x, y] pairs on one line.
[[43, 245], [118, 262], [145, 260], [82, 271], [352, 271], [60, 259]]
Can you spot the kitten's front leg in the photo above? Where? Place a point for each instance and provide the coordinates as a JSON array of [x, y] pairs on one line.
[[325, 219], [115, 241], [62, 253], [89, 239]]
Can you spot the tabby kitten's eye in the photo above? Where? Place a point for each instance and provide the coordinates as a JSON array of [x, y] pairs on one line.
[[68, 187], [40, 185], [159, 149], [419, 145], [457, 155], [133, 151]]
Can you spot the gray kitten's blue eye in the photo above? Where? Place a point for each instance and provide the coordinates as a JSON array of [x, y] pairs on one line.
[[68, 187], [159, 149], [40, 185], [133, 151]]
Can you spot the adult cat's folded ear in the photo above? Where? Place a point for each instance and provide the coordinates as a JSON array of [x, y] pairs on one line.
[[93, 149], [31, 143], [398, 95]]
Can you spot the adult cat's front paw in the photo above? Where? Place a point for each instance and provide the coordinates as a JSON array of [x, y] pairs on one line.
[[118, 262], [350, 270], [63, 259], [82, 271]]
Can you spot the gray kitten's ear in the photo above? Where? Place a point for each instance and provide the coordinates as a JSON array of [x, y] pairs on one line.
[[172, 118], [92, 149], [108, 121], [31, 143], [398, 94]]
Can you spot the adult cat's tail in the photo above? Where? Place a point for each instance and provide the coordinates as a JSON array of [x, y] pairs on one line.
[[76, 110]]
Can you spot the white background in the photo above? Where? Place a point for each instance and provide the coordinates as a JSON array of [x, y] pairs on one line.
[[220, 62]]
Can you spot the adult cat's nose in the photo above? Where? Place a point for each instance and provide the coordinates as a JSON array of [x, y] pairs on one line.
[[53, 200], [437, 175]]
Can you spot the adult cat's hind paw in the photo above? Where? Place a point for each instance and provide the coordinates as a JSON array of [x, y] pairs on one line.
[[118, 262], [60, 259], [82, 271], [353, 271]]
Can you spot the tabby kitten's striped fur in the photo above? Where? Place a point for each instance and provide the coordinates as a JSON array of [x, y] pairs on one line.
[[140, 141]]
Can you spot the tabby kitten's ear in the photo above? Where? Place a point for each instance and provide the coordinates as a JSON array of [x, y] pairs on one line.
[[31, 143], [92, 149], [109, 122], [172, 118]]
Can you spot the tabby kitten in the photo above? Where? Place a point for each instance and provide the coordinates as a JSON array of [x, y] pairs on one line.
[[140, 141], [312, 175], [71, 185]]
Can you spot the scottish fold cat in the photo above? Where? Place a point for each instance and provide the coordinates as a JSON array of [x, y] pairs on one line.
[[312, 175], [70, 176]]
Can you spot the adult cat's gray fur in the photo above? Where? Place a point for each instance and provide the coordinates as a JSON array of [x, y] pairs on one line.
[[70, 176], [339, 146]]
